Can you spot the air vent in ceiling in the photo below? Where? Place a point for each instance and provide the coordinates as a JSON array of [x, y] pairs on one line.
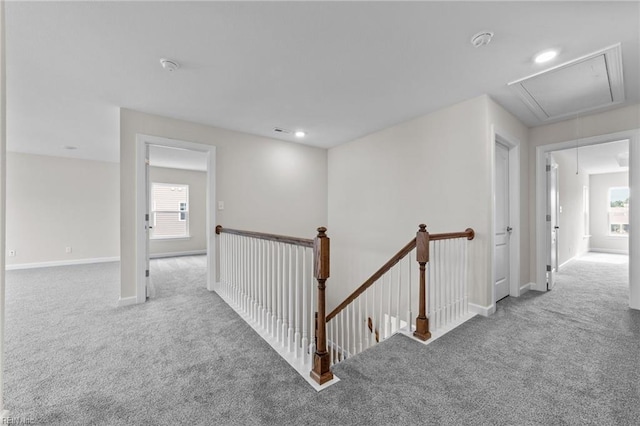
[[588, 83]]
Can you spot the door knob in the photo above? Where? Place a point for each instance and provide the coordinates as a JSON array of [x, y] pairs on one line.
[[509, 229], [556, 227]]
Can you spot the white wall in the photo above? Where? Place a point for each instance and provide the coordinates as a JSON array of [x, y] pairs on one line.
[[617, 120], [266, 185], [197, 182], [598, 211], [572, 241], [434, 169], [55, 202]]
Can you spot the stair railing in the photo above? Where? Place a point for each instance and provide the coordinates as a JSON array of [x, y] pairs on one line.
[[383, 304], [268, 278]]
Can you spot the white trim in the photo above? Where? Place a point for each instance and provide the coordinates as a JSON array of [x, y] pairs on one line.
[[127, 301], [170, 238], [566, 262], [61, 263], [634, 214], [606, 250], [498, 135], [177, 254], [142, 141], [525, 288], [485, 311]]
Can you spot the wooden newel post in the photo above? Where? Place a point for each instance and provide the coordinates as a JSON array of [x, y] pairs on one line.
[[422, 254], [321, 371]]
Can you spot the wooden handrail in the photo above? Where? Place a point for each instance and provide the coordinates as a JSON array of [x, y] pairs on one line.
[[468, 234], [269, 237], [375, 277]]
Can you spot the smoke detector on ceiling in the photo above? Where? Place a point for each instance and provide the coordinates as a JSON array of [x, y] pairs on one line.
[[482, 38], [169, 64]]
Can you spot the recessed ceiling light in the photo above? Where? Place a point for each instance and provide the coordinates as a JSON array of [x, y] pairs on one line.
[[169, 65], [70, 147], [300, 134], [545, 56], [482, 38]]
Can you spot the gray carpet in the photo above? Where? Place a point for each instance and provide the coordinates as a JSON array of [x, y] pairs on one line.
[[569, 356]]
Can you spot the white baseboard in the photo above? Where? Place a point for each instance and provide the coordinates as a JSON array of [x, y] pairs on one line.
[[485, 311], [525, 288], [61, 263], [127, 301], [612, 251], [177, 254], [563, 264]]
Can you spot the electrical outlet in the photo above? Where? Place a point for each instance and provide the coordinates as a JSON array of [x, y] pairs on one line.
[[11, 252], [67, 250]]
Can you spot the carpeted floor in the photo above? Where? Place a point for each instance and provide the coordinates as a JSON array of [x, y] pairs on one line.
[[569, 356]]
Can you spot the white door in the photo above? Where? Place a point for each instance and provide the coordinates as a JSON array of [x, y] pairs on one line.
[[502, 228], [552, 221], [148, 222]]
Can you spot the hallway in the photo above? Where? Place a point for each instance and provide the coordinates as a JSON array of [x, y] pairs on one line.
[[565, 356]]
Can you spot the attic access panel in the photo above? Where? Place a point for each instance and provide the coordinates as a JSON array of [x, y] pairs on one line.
[[585, 84]]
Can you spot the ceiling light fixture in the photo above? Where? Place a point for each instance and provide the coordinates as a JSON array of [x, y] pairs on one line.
[[169, 64], [300, 134], [545, 56], [482, 38]]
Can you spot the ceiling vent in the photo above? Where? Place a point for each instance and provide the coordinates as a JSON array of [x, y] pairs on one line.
[[589, 83]]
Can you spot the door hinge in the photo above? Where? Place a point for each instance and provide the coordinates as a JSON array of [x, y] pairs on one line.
[[548, 168], [548, 268], [146, 217], [548, 218], [146, 273]]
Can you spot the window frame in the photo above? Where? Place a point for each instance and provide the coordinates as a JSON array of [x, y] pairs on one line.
[[178, 211], [609, 211]]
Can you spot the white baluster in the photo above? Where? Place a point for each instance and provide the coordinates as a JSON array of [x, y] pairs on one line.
[[274, 290], [342, 336], [380, 285], [313, 296], [367, 334], [297, 306], [399, 296], [436, 285], [278, 292], [290, 299], [359, 323], [465, 266], [305, 307], [447, 281], [409, 286]]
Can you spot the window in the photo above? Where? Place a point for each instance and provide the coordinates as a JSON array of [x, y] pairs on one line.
[[169, 210], [619, 211]]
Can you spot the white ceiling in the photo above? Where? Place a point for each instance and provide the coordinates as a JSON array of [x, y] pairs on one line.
[[338, 70], [597, 159]]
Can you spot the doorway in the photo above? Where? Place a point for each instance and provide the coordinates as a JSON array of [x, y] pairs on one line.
[[502, 223], [505, 235], [575, 207], [175, 154]]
